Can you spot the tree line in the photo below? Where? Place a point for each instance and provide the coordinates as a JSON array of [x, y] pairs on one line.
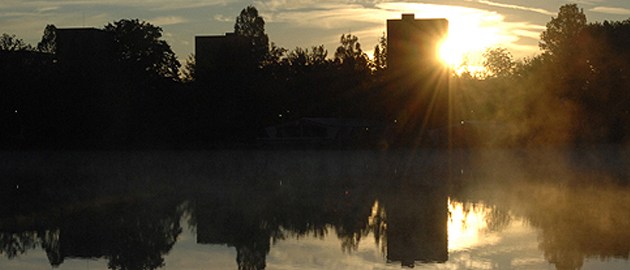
[[138, 95], [575, 92]]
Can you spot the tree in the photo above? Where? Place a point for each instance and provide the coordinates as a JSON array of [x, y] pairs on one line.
[[190, 68], [305, 57], [604, 53], [349, 54], [48, 44], [561, 52], [498, 63], [562, 31], [11, 43], [140, 49], [250, 25], [275, 54], [380, 53]]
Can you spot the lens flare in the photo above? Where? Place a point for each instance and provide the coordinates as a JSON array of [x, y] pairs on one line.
[[467, 38]]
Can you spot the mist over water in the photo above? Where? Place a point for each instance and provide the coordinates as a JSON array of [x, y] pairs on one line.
[[435, 208]]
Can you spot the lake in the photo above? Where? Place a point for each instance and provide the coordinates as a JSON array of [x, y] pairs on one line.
[[542, 208]]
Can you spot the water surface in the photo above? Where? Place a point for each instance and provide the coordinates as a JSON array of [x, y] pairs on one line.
[[430, 209]]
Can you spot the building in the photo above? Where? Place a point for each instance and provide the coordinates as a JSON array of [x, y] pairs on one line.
[[419, 80], [413, 44]]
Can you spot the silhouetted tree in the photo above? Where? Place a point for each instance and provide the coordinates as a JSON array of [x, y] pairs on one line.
[[48, 44], [349, 54], [561, 31], [140, 49], [300, 83], [352, 79], [380, 53], [498, 62], [602, 59], [249, 24], [314, 56], [11, 43], [275, 54], [190, 68]]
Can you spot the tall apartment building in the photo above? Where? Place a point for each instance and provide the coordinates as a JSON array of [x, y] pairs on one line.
[[413, 44]]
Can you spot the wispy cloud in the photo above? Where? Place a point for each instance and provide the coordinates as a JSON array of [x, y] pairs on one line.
[[328, 18], [167, 20], [611, 10], [187, 4], [146, 4], [588, 2], [295, 21], [47, 9], [511, 6], [275, 5], [527, 33], [480, 28], [223, 18]]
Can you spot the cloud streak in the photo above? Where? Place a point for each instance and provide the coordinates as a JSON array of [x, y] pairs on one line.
[[480, 28], [160, 21], [295, 22], [611, 10], [510, 6], [146, 4]]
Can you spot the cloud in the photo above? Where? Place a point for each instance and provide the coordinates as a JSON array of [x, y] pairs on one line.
[[495, 4], [527, 33], [611, 10], [146, 4], [223, 18], [477, 28], [46, 9], [328, 17], [275, 5], [296, 22], [185, 4], [588, 2], [167, 20]]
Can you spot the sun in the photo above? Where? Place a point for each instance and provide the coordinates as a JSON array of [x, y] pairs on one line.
[[468, 37]]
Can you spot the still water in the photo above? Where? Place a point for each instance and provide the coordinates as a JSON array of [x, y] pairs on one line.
[[428, 209]]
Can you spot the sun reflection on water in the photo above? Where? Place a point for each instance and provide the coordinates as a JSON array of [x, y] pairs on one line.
[[467, 225]]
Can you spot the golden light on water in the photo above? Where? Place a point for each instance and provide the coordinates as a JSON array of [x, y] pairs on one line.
[[465, 225]]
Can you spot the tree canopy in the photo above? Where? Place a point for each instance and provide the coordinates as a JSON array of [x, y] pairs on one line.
[[11, 43], [350, 54], [252, 26], [48, 44], [498, 62], [562, 30], [139, 48], [577, 90]]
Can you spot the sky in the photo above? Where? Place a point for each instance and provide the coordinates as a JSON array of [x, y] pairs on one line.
[[474, 24]]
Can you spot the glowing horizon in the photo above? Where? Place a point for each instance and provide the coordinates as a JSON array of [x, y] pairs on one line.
[[471, 31]]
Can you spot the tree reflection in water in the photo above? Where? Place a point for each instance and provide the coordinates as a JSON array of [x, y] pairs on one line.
[[131, 235], [582, 222], [407, 213]]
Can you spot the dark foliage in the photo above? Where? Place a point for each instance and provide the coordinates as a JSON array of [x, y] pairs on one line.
[[127, 92]]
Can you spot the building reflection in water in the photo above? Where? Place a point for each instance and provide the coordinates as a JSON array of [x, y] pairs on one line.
[[575, 219], [416, 225]]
